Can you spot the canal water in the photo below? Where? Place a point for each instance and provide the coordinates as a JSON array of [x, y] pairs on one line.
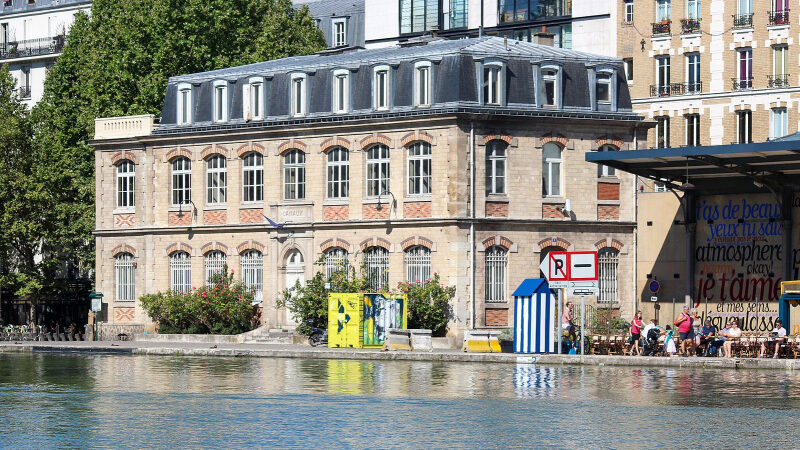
[[52, 400]]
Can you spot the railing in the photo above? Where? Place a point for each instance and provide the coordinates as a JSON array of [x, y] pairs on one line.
[[667, 90], [743, 20], [742, 84], [32, 47], [778, 81], [689, 26], [662, 28], [123, 127], [779, 17], [25, 92]]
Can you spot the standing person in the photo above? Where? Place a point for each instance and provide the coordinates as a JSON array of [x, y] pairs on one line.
[[566, 320], [636, 332], [684, 324], [780, 334]]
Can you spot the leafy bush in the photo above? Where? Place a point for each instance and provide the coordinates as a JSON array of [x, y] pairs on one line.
[[223, 307], [429, 305]]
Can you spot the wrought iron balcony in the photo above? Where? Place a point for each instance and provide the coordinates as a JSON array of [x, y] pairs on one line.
[[662, 28], [671, 89], [778, 81], [25, 92], [32, 47], [740, 84], [689, 26], [779, 17], [742, 21]]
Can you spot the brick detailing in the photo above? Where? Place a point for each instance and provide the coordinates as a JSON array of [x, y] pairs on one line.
[[214, 245], [370, 211], [552, 210], [124, 315], [496, 209], [335, 141], [607, 191], [416, 241], [609, 243], [616, 141], [123, 248], [215, 217], [251, 215], [290, 145], [557, 242], [124, 220], [176, 152], [247, 148], [375, 242], [184, 219], [416, 136], [335, 242], [376, 138], [178, 247], [502, 241], [557, 138], [249, 245], [122, 156], [607, 212], [334, 213], [496, 317], [416, 210], [214, 149], [498, 137]]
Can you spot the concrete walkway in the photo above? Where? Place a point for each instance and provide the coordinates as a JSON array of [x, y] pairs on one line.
[[305, 351]]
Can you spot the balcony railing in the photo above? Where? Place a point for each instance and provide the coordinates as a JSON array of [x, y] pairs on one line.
[[779, 17], [778, 81], [740, 84], [32, 47], [689, 26], [662, 28], [25, 92], [667, 90], [743, 21]]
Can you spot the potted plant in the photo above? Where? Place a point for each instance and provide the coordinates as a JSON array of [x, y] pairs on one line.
[[506, 339]]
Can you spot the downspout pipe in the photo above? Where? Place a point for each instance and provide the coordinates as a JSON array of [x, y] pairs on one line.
[[472, 224]]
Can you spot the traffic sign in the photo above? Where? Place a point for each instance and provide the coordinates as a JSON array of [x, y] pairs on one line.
[[570, 266], [583, 288], [654, 286], [554, 267], [654, 299]]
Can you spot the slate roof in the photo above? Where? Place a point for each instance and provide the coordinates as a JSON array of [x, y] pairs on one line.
[[20, 6]]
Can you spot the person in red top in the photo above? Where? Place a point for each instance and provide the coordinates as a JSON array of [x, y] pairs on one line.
[[636, 332], [684, 323]]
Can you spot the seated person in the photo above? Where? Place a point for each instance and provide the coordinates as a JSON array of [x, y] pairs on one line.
[[734, 332], [706, 337], [780, 334]]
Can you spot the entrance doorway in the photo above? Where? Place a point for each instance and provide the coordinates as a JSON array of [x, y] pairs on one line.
[[295, 272]]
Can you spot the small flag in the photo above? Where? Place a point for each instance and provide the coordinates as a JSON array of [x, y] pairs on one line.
[[271, 222]]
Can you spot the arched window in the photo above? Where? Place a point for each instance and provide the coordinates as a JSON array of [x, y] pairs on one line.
[[253, 273], [418, 265], [338, 173], [253, 177], [376, 262], [551, 170], [495, 277], [215, 262], [126, 176], [181, 181], [608, 261], [180, 267], [216, 179], [294, 175], [419, 168], [377, 170], [496, 167], [335, 261], [126, 277], [606, 171]]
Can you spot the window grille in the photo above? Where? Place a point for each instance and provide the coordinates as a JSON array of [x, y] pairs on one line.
[[253, 274], [294, 175], [180, 266], [215, 262], [496, 167], [126, 176], [126, 277], [377, 170], [419, 168], [496, 262], [181, 181], [418, 265], [376, 261], [335, 261], [253, 177], [338, 172], [216, 179], [609, 261]]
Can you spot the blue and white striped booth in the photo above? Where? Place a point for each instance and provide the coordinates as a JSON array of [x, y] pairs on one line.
[[534, 316]]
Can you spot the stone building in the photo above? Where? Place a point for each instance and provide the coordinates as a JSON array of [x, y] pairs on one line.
[[463, 158]]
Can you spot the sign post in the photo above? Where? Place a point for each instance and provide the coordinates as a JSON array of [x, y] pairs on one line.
[[97, 306]]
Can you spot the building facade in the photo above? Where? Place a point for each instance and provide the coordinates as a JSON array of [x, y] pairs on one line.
[[458, 157], [32, 36]]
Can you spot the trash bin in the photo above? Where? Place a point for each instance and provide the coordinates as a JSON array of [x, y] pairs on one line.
[[534, 317]]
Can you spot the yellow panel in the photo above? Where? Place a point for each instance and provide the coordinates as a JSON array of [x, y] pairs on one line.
[[344, 320], [482, 346]]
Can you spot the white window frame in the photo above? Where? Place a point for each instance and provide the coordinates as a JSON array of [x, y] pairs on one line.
[[663, 10], [253, 178], [125, 269], [338, 38], [294, 175], [220, 103], [628, 11], [216, 179], [779, 122], [337, 173], [420, 169], [550, 74], [495, 274], [628, 64], [341, 91], [214, 262], [252, 269], [126, 184], [603, 170], [184, 104], [692, 130], [783, 51], [492, 83], [180, 268], [608, 276], [744, 136], [662, 126], [297, 98], [376, 184], [744, 7], [181, 180], [335, 261], [423, 89], [376, 264], [747, 55], [663, 69], [608, 79], [493, 162], [548, 166], [254, 99], [693, 68], [378, 102], [693, 9], [418, 265]]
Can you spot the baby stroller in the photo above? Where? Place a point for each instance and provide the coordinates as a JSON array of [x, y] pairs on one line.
[[650, 346]]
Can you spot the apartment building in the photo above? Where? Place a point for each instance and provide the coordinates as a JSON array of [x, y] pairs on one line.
[[32, 36], [712, 72], [458, 157]]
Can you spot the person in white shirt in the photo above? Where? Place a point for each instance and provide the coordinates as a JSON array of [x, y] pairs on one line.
[[780, 334]]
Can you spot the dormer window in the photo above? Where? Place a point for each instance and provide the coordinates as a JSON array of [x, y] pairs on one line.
[[184, 104], [298, 89], [422, 84], [220, 101], [492, 83], [549, 95], [604, 91], [341, 91], [339, 27], [381, 87], [254, 99]]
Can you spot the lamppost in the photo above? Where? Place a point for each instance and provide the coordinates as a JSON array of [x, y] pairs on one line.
[[393, 204], [186, 202]]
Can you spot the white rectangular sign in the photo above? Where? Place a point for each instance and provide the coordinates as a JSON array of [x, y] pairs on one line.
[[583, 288]]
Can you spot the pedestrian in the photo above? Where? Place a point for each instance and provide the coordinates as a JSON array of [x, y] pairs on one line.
[[684, 324], [636, 333], [669, 342]]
